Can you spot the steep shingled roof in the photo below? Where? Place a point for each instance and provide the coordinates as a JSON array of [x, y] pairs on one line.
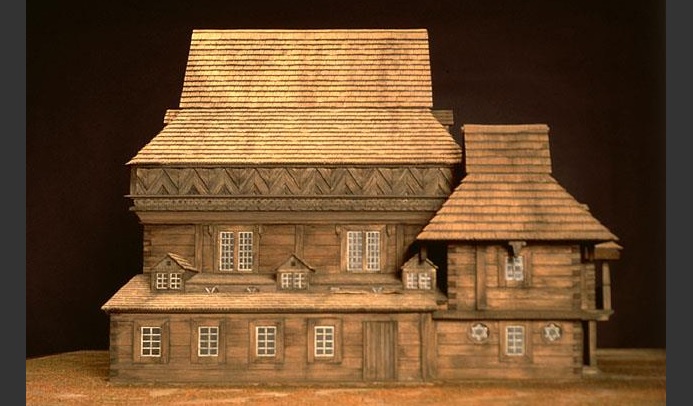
[[301, 136], [509, 193], [304, 97], [307, 68]]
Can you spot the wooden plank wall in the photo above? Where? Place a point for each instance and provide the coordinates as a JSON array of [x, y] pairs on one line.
[[237, 364], [555, 279], [458, 357], [320, 245]]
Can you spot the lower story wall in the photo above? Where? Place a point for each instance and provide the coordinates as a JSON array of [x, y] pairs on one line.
[[177, 347], [493, 349]]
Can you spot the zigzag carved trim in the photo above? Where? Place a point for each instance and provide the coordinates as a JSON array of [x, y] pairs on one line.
[[277, 181]]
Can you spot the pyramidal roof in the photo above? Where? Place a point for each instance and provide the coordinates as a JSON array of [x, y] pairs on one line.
[[304, 97], [509, 193]]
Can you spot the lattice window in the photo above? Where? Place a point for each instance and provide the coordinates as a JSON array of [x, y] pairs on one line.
[[363, 251], [245, 251], [355, 250], [161, 280], [515, 268], [150, 341], [300, 281], [208, 341], [226, 248], [265, 341], [373, 250], [324, 341], [286, 280], [425, 281], [175, 281], [412, 281], [515, 340]]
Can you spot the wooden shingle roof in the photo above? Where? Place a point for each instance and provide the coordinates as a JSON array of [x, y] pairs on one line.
[[509, 193], [301, 136], [307, 68], [136, 296]]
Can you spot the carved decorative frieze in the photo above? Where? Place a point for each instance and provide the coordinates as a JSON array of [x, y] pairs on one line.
[[286, 204], [282, 181]]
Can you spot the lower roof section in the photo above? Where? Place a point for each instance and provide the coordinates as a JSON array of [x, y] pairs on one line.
[[136, 297]]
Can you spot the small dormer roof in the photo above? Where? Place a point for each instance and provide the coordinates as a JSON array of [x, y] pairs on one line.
[[294, 264], [416, 264], [183, 263]]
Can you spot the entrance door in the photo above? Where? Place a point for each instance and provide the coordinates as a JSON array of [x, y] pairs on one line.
[[380, 350]]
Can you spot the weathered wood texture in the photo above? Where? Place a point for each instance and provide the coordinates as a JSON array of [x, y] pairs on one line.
[[237, 364], [509, 193], [300, 136], [555, 278], [460, 357], [307, 68], [321, 245]]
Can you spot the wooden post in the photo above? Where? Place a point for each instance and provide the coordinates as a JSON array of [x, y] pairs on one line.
[[592, 355], [199, 252], [298, 240], [606, 286], [480, 277]]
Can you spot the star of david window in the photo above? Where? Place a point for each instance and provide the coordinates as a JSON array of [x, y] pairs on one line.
[[479, 332], [552, 332]]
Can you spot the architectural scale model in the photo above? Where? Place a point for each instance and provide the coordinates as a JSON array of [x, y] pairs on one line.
[[308, 217]]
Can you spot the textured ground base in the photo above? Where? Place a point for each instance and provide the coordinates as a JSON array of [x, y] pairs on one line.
[[627, 377]]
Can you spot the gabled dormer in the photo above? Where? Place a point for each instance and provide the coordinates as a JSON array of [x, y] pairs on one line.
[[170, 274], [419, 274], [294, 274]]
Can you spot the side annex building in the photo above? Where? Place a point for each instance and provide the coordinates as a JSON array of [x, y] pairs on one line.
[[308, 217]]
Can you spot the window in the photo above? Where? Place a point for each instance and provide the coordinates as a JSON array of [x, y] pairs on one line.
[[418, 280], [324, 341], [150, 344], [265, 341], [236, 251], [208, 341], [515, 268], [294, 280], [150, 341], [515, 340], [363, 251], [165, 280]]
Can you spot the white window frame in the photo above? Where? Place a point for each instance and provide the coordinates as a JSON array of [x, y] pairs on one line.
[[236, 250], [425, 282], [266, 341], [324, 344], [515, 268], [515, 341], [412, 280], [161, 281], [287, 280], [363, 250], [150, 341], [208, 341], [175, 281]]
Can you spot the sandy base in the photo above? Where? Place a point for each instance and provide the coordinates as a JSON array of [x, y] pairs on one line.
[[627, 377]]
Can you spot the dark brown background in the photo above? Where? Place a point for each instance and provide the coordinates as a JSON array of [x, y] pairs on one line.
[[100, 76]]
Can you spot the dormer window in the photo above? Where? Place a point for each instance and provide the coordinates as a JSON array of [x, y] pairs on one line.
[[294, 274], [169, 280], [170, 273], [293, 280], [419, 274]]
